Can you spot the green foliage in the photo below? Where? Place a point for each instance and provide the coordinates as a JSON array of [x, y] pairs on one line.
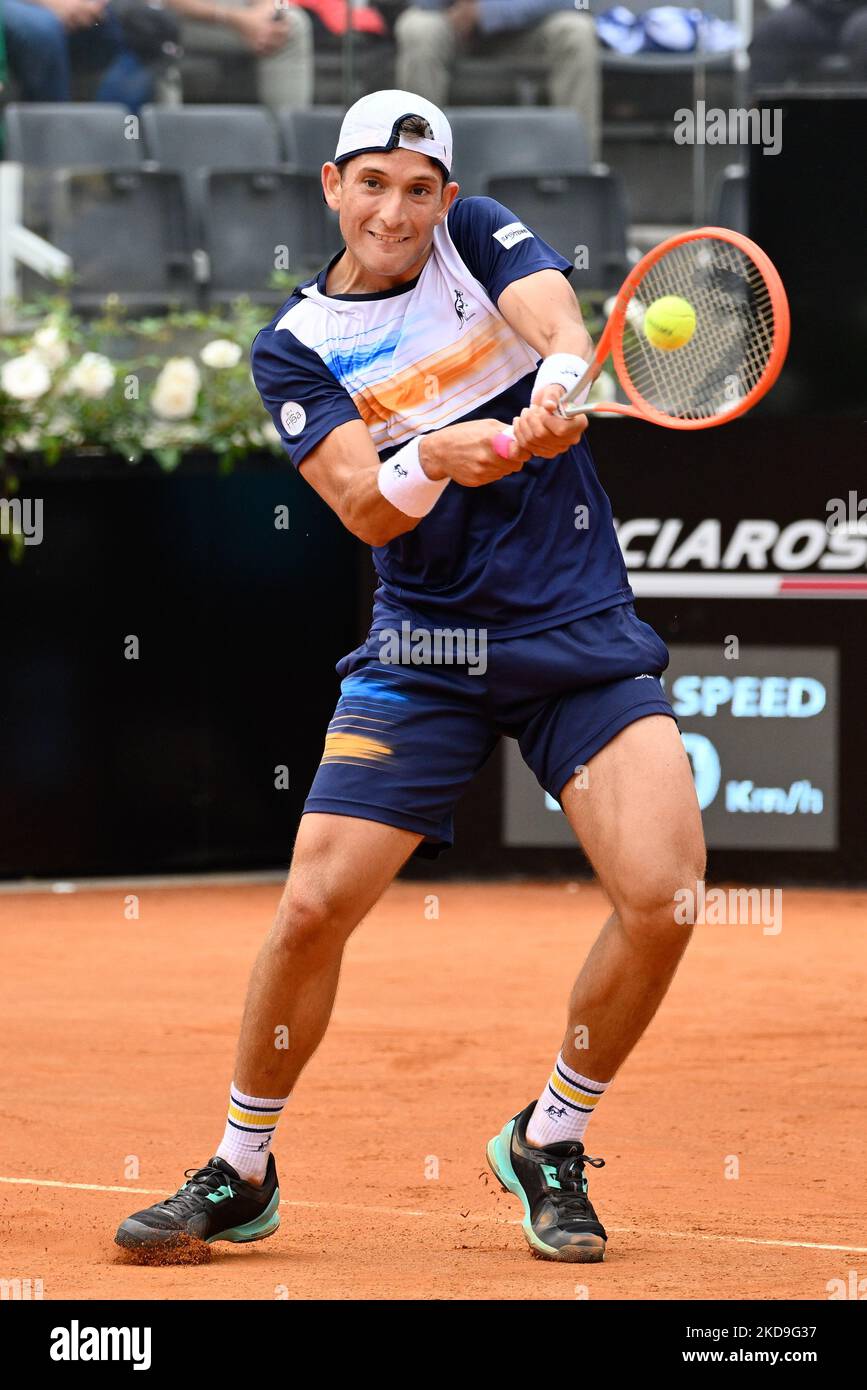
[[158, 386]]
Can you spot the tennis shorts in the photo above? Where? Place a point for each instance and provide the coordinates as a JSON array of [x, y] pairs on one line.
[[410, 730]]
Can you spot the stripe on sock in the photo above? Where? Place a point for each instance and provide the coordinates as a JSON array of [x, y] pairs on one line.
[[565, 1106], [250, 1125]]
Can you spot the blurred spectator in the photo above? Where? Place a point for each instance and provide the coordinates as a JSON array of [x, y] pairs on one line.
[[276, 32], [46, 38], [800, 42], [433, 33], [331, 18]]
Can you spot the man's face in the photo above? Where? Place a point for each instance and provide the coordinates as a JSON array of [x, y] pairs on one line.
[[388, 205]]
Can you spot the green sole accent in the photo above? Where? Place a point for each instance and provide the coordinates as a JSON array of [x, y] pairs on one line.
[[264, 1225], [499, 1153]]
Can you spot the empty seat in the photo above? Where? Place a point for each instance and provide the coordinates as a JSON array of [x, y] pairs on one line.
[[494, 141], [210, 137], [572, 212], [248, 216], [127, 234], [71, 135], [45, 137], [310, 135], [193, 139]]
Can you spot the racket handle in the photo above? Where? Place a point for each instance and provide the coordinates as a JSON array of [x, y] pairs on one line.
[[502, 441]]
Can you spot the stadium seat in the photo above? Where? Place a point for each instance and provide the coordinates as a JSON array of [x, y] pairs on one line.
[[494, 141], [310, 136], [194, 141], [731, 200], [571, 211], [45, 137], [127, 233], [67, 135], [210, 137], [88, 191], [247, 215]]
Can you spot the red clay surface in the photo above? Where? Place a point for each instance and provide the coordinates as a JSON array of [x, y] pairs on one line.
[[120, 1040]]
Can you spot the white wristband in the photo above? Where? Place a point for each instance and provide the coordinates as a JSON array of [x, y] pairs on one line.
[[404, 483], [563, 369]]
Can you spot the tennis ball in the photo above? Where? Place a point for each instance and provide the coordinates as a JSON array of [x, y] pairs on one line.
[[669, 322]]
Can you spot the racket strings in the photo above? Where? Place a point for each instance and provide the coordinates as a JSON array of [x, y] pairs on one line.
[[733, 339]]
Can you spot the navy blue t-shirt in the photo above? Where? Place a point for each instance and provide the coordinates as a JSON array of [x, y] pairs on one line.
[[532, 550]]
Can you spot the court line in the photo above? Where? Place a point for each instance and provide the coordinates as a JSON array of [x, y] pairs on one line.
[[440, 1215], [59, 886]]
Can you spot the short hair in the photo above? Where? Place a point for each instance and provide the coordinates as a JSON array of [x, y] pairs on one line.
[[411, 125]]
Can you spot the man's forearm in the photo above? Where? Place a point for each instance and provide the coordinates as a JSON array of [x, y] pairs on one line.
[[430, 455], [206, 11]]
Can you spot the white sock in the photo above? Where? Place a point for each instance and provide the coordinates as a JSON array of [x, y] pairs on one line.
[[249, 1130], [565, 1106]]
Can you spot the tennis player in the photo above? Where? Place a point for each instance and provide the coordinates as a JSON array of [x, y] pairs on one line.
[[387, 375]]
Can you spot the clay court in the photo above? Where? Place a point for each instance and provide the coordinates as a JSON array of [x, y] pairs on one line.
[[119, 1045]]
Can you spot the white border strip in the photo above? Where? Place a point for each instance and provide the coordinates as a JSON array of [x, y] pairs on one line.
[[749, 585], [446, 1215], [89, 885]]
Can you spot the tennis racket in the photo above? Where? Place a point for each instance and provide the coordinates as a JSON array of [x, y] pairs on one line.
[[733, 357]]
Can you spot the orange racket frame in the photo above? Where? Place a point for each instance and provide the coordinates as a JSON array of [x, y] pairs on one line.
[[611, 342]]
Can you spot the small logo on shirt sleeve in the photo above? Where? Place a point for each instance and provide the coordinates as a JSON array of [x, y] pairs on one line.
[[513, 233], [293, 417]]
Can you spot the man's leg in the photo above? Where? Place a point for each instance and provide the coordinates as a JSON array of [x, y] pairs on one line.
[[637, 817], [340, 868], [638, 821], [567, 41], [426, 46], [284, 78], [36, 42]]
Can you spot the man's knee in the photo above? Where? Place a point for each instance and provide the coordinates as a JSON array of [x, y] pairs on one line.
[[314, 911], [31, 27], [650, 906], [570, 31], [423, 29]]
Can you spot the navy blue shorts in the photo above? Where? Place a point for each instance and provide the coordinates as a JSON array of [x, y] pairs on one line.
[[406, 739]]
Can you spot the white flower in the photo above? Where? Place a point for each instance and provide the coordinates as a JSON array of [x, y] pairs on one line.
[[604, 388], [50, 346], [634, 312], [30, 442], [168, 436], [92, 376], [25, 378], [176, 389], [220, 352]]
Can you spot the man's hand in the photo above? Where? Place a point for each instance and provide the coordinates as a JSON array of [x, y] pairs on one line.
[[540, 431], [258, 28], [465, 454], [464, 17], [76, 14]]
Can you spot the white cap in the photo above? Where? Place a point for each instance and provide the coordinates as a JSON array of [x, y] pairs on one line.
[[371, 125]]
